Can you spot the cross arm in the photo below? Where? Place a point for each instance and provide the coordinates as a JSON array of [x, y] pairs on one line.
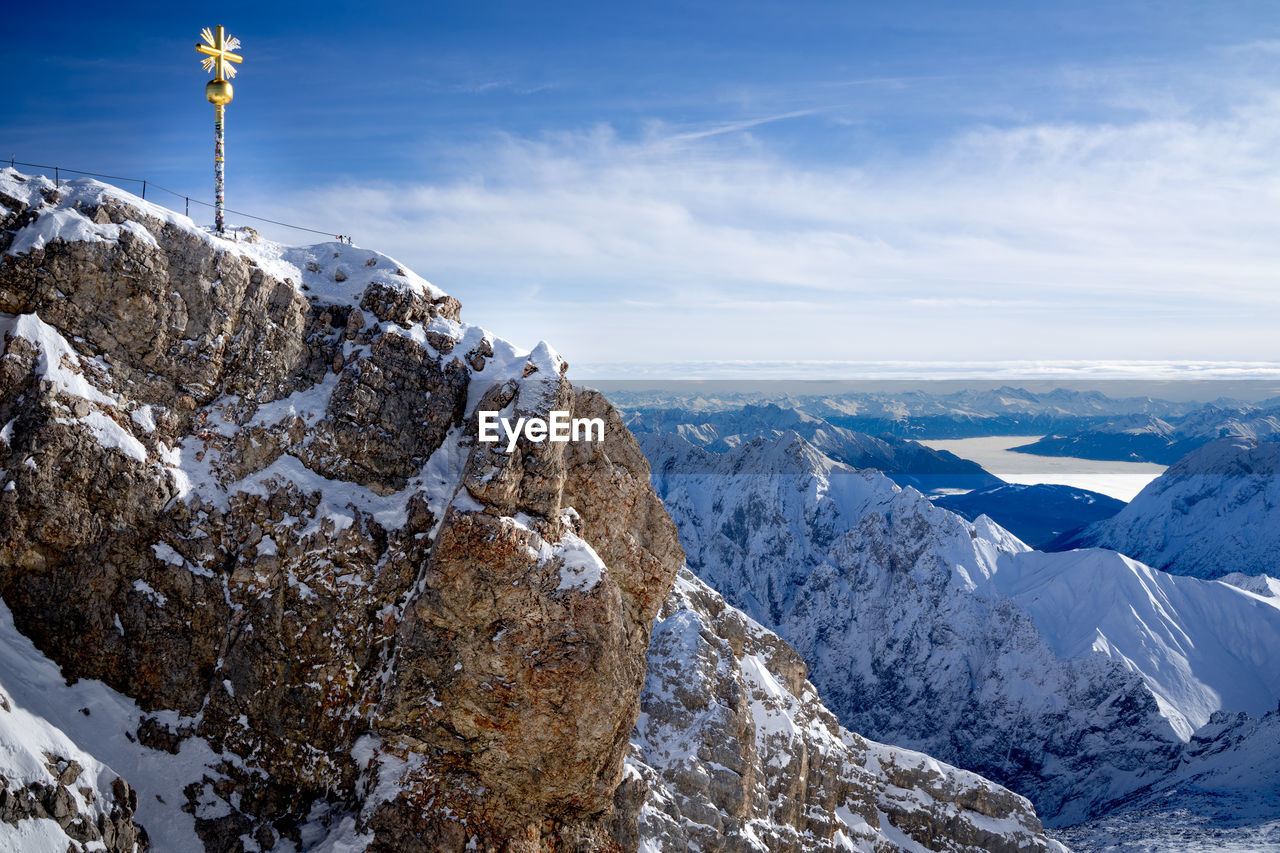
[[213, 51]]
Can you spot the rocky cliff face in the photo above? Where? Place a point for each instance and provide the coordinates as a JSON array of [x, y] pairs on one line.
[[739, 754], [241, 484]]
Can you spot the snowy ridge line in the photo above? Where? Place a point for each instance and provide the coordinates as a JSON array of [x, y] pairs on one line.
[[57, 170], [319, 270]]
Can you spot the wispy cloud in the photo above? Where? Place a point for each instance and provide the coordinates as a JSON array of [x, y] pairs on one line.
[[1151, 238], [739, 126]]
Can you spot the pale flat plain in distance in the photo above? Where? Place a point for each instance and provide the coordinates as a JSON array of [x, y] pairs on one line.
[[1120, 480]]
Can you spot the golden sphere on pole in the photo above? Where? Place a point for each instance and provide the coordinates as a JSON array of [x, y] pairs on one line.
[[219, 92]]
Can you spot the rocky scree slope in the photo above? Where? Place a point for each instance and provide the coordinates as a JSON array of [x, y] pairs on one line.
[[1224, 796], [1075, 679], [1214, 513], [241, 485], [739, 754]]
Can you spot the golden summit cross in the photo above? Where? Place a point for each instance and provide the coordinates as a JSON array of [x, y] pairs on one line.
[[217, 51]]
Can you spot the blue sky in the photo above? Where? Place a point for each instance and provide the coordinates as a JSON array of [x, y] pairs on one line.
[[660, 182]]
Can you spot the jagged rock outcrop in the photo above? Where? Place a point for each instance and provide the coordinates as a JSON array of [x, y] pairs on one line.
[[242, 484], [739, 754]]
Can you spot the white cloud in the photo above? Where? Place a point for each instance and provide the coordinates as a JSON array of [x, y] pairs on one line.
[[1151, 239]]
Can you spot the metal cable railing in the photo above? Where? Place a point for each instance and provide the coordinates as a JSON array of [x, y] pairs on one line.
[[57, 179]]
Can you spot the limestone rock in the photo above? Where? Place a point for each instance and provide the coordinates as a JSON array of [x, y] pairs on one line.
[[255, 501]]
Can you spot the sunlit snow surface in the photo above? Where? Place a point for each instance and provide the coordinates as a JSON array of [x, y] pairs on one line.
[[36, 688]]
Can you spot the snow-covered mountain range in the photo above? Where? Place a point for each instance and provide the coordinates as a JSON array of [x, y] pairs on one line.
[[1074, 678], [1214, 513], [940, 411], [1036, 513], [906, 462], [1143, 437]]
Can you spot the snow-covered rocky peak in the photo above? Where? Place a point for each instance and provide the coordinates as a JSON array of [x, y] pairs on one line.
[[734, 746], [757, 513], [243, 483], [1215, 512]]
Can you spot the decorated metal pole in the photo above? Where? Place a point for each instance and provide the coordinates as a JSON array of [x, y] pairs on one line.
[[219, 167], [217, 51]]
